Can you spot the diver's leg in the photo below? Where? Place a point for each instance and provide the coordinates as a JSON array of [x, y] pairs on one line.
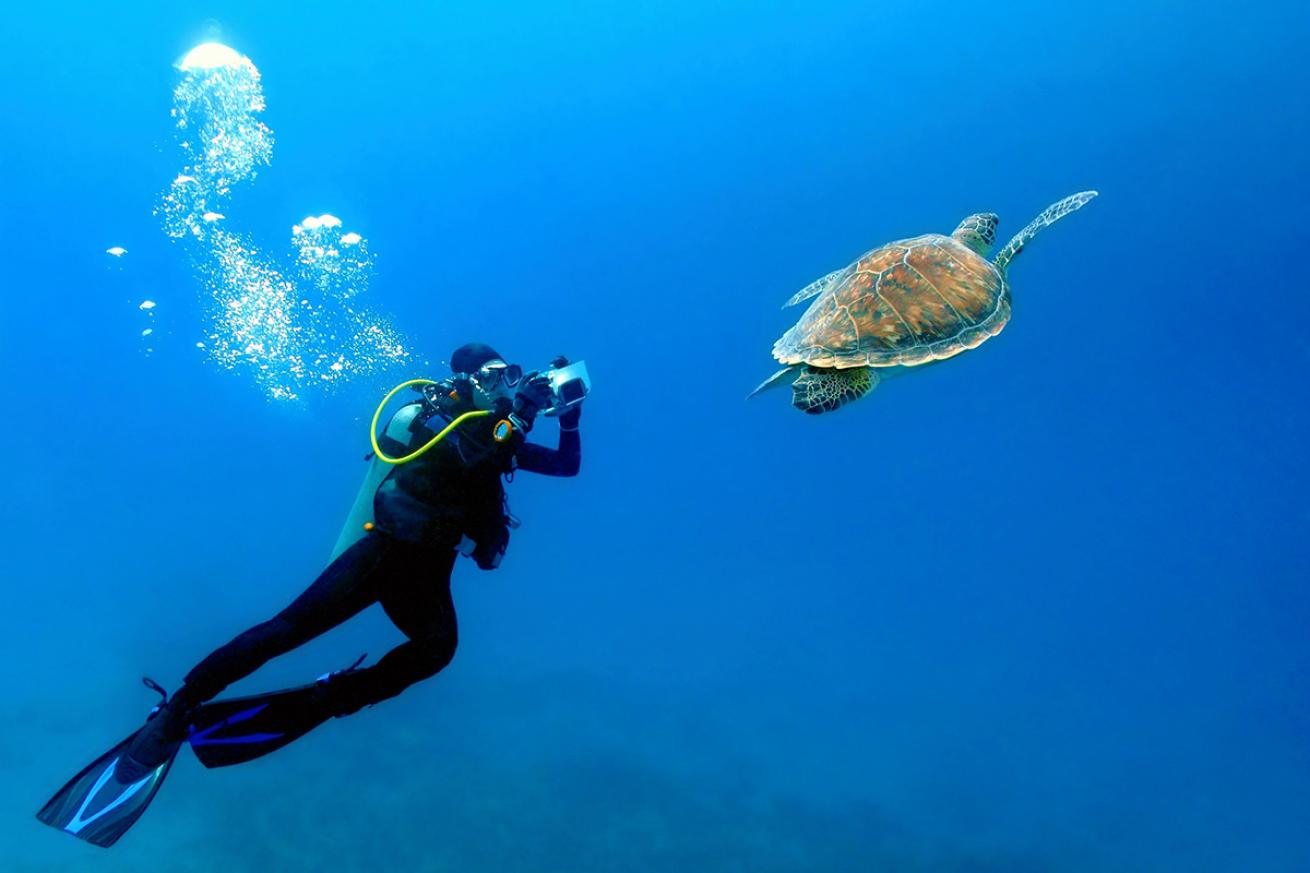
[[417, 599], [415, 591], [348, 585]]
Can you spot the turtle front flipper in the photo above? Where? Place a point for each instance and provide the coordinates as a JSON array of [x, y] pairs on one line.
[[778, 379], [820, 390], [1050, 215], [818, 286]]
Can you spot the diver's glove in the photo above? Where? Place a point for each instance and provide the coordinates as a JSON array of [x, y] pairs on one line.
[[534, 395]]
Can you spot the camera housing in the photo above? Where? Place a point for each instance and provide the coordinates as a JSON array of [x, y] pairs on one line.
[[569, 386]]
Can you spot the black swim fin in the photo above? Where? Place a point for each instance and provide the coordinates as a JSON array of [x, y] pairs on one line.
[[96, 806], [227, 732]]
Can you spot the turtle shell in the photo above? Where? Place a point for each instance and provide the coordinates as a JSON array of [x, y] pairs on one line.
[[909, 302]]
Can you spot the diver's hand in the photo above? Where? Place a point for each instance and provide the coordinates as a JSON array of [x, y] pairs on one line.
[[534, 395]]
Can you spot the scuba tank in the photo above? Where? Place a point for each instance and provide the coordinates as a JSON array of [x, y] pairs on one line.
[[401, 429]]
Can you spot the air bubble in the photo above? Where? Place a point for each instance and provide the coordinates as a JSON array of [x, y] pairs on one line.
[[278, 322]]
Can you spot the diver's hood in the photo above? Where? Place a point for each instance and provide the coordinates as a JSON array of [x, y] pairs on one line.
[[470, 356]]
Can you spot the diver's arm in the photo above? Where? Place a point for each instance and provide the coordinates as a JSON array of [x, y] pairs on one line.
[[564, 461]]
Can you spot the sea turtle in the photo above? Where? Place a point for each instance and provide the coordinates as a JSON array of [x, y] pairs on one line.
[[910, 302]]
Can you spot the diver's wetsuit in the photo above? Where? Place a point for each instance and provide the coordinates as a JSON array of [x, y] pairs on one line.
[[422, 509]]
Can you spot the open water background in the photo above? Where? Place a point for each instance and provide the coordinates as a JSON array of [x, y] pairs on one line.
[[1042, 607]]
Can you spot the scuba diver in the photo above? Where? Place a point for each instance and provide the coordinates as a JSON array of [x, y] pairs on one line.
[[427, 500]]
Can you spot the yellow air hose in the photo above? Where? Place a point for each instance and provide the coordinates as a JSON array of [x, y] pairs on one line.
[[373, 428]]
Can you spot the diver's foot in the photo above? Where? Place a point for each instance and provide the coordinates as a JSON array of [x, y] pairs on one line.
[[155, 743], [342, 692]]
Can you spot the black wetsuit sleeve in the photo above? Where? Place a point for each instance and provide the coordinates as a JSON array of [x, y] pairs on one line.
[[564, 461]]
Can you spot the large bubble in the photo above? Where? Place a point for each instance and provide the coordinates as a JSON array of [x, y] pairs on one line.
[[297, 328], [333, 263]]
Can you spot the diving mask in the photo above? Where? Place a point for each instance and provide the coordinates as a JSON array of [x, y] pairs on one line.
[[494, 374], [493, 381]]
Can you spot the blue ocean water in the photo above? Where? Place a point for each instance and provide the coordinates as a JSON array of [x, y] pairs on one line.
[[1041, 607]]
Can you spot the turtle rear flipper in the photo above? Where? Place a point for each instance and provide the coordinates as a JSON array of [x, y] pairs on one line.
[[1050, 215], [820, 390]]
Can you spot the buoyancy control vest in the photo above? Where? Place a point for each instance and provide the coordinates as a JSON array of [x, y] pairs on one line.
[[451, 496]]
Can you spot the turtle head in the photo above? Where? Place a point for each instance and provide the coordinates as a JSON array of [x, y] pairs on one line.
[[978, 232]]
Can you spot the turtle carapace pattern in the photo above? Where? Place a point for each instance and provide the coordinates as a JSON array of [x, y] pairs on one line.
[[907, 303]]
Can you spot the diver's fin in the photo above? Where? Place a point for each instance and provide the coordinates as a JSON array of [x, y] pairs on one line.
[[95, 806], [776, 380], [227, 732]]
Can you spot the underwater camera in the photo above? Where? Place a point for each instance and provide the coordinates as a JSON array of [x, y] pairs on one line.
[[569, 386]]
